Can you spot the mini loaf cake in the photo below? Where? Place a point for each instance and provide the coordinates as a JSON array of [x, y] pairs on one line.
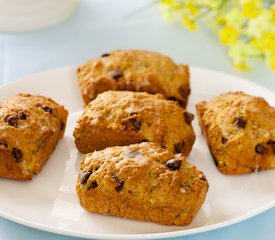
[[240, 131], [141, 181], [117, 118], [30, 127], [134, 70]]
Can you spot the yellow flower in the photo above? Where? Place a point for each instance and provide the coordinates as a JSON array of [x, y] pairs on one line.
[[273, 13], [208, 3], [263, 23], [171, 4], [257, 43], [269, 41], [247, 27], [242, 66], [189, 23], [228, 35], [192, 8], [166, 1], [252, 49], [220, 20], [250, 9], [234, 18], [270, 59]]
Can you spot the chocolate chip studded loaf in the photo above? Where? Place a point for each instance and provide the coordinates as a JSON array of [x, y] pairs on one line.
[[240, 130], [141, 181], [134, 70], [122, 118], [30, 127]]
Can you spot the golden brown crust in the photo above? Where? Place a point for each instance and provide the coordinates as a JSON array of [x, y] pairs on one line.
[[134, 70], [122, 118], [141, 181], [240, 131], [30, 127]]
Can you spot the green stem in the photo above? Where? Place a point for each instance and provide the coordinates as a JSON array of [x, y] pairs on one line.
[[222, 5], [256, 55]]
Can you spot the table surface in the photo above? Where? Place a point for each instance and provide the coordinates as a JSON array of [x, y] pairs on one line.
[[100, 26]]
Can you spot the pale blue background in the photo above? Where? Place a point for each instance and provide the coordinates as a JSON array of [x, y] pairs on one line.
[[103, 25]]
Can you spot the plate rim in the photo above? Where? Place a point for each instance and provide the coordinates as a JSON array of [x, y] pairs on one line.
[[160, 235]]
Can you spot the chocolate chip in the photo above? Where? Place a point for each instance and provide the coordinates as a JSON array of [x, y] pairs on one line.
[[11, 120], [3, 143], [240, 122], [47, 109], [180, 102], [184, 91], [172, 99], [119, 186], [179, 146], [17, 154], [260, 149], [188, 117], [93, 185], [272, 143], [62, 126], [22, 115], [132, 124], [224, 140], [173, 164], [84, 176], [120, 183], [117, 74], [202, 177], [105, 55]]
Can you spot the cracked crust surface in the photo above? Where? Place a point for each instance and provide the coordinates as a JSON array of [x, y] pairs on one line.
[[30, 127], [240, 131], [134, 70], [122, 118], [143, 182]]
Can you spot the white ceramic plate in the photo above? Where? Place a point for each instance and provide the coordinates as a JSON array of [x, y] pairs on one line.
[[49, 201]]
